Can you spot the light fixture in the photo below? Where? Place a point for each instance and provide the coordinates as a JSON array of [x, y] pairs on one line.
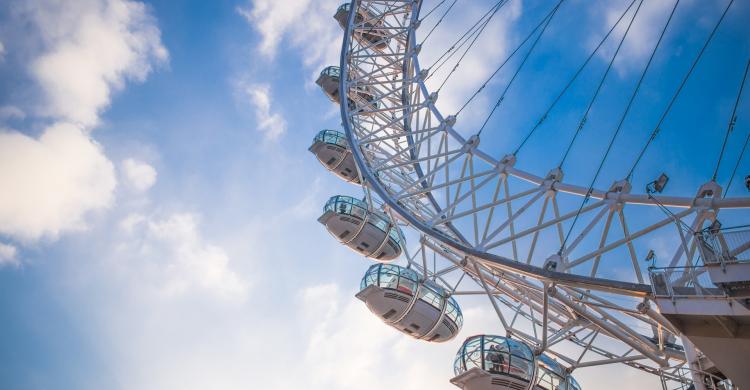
[[651, 255], [658, 184]]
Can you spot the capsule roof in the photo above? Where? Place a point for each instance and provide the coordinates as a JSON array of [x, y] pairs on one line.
[[332, 137], [331, 71]]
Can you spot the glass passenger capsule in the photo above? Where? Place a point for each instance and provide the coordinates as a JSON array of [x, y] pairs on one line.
[[370, 233], [328, 80], [486, 362], [367, 27], [421, 309], [332, 150], [553, 376]]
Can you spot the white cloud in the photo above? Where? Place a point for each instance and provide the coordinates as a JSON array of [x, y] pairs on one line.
[[271, 124], [175, 258], [2, 51], [50, 183], [81, 52], [492, 47], [140, 175], [309, 26], [8, 255], [98, 45], [641, 38], [11, 112]]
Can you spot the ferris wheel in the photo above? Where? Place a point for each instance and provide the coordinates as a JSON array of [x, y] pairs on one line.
[[567, 267]]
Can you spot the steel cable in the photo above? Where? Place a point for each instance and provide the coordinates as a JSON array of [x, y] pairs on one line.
[[656, 129], [570, 82], [732, 121], [518, 70], [582, 122], [621, 122]]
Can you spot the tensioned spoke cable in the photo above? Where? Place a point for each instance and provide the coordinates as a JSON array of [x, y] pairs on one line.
[[656, 130], [473, 41], [460, 41], [573, 79], [434, 8], [621, 122], [582, 123], [732, 121], [518, 70], [737, 165], [499, 68], [442, 17]]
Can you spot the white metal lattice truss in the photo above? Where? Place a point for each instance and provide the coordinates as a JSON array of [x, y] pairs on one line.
[[482, 222]]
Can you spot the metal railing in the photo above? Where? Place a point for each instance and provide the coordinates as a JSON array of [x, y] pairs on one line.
[[682, 379], [716, 247], [724, 246], [687, 281]]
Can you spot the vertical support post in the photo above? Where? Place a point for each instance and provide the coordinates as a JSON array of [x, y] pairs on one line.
[[692, 359], [545, 308]]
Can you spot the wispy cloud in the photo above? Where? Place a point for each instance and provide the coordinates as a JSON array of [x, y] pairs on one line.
[[268, 122], [8, 255], [140, 175], [641, 38], [98, 46], [171, 256], [11, 112], [307, 25]]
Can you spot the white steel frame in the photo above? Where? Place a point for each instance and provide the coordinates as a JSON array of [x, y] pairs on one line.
[[438, 183]]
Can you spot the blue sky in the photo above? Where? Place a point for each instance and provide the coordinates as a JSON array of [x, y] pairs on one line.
[[157, 222]]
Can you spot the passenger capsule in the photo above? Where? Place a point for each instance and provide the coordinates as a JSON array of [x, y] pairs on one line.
[[370, 233], [487, 362], [404, 301], [368, 32], [328, 80], [332, 150], [553, 376]]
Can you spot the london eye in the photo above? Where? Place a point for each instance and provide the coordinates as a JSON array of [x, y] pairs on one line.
[[584, 258]]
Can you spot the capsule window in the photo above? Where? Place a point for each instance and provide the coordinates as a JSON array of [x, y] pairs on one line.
[[519, 367], [389, 281], [406, 286], [518, 349], [430, 297], [497, 355], [452, 311], [369, 279]]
